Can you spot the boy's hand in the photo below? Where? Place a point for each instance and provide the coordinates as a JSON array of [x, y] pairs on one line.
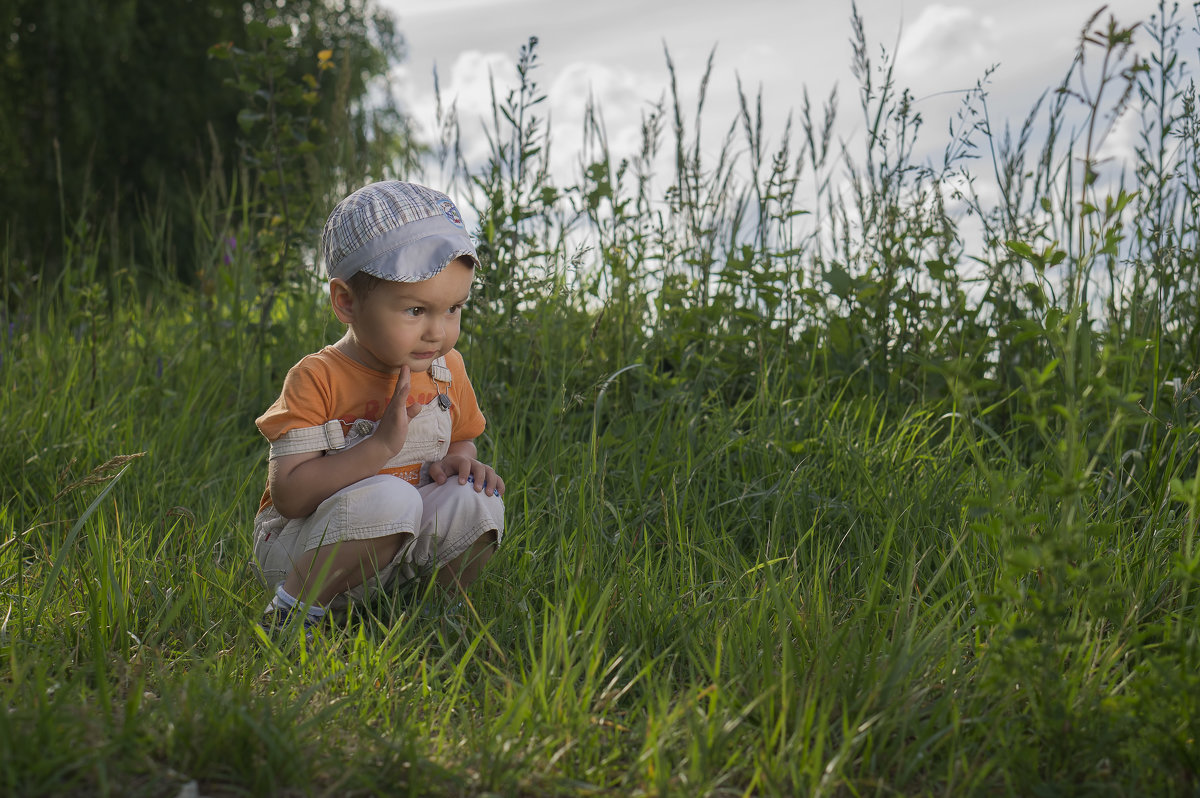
[[393, 427], [467, 468]]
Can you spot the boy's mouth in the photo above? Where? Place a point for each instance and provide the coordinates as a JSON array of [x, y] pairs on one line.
[[424, 355]]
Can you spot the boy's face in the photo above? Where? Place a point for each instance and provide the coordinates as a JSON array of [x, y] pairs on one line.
[[409, 324]]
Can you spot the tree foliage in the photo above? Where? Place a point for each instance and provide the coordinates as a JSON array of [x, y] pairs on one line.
[[119, 104]]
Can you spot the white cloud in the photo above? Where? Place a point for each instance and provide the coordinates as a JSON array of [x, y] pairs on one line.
[[619, 94], [466, 86], [946, 42], [1118, 150]]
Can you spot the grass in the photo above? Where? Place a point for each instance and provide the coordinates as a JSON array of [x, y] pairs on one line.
[[784, 595], [785, 515]]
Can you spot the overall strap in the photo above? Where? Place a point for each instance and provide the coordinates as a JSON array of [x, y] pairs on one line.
[[439, 371], [320, 438]]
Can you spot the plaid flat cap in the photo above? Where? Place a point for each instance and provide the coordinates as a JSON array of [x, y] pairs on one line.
[[395, 231]]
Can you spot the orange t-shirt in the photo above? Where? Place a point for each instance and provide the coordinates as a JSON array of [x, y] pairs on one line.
[[328, 385]]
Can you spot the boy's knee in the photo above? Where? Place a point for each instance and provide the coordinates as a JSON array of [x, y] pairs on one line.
[[381, 499], [390, 492], [374, 507], [451, 495], [458, 514]]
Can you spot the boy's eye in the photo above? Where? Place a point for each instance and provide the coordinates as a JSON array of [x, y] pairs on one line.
[[455, 309], [414, 311]]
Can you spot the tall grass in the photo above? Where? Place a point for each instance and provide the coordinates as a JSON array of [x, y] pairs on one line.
[[800, 501]]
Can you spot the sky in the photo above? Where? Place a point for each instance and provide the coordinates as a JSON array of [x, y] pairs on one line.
[[613, 50]]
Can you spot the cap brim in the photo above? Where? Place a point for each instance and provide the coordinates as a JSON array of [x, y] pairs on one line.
[[411, 253]]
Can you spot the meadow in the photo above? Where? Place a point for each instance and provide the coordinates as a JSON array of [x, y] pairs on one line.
[[806, 496]]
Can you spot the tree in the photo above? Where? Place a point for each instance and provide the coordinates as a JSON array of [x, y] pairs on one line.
[[110, 107]]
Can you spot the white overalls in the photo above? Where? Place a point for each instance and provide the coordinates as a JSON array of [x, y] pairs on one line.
[[444, 520]]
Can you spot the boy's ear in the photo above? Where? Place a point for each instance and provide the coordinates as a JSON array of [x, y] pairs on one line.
[[342, 299]]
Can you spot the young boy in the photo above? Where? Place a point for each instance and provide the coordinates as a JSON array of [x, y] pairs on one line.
[[373, 477]]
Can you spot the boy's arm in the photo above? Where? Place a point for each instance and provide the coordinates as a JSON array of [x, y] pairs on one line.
[[300, 482], [461, 459]]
